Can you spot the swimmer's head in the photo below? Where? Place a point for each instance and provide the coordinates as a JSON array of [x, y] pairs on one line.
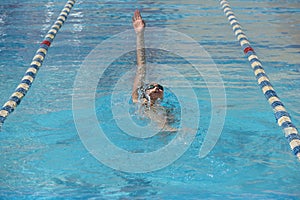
[[155, 91]]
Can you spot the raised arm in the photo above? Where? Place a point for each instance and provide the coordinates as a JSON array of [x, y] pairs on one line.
[[140, 76]]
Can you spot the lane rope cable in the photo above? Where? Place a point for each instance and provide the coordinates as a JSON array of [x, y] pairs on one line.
[[30, 74], [282, 116]]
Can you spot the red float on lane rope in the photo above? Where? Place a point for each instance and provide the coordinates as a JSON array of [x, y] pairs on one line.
[[46, 42], [247, 49]]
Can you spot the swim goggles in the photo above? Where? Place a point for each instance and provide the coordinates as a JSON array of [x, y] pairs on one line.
[[152, 86]]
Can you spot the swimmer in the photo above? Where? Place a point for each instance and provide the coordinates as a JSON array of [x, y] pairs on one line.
[[147, 94]]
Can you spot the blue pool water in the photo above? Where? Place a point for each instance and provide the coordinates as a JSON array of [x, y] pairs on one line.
[[43, 155]]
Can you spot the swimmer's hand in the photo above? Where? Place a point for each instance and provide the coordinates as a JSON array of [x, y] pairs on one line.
[[137, 22], [168, 128]]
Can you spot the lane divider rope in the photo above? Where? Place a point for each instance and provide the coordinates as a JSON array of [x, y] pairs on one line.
[[282, 116], [30, 74]]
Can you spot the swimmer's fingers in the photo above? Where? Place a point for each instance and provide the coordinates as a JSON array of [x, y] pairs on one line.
[[137, 15]]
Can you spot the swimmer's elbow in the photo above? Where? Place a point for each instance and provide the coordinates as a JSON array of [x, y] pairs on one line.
[[135, 100], [135, 96]]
